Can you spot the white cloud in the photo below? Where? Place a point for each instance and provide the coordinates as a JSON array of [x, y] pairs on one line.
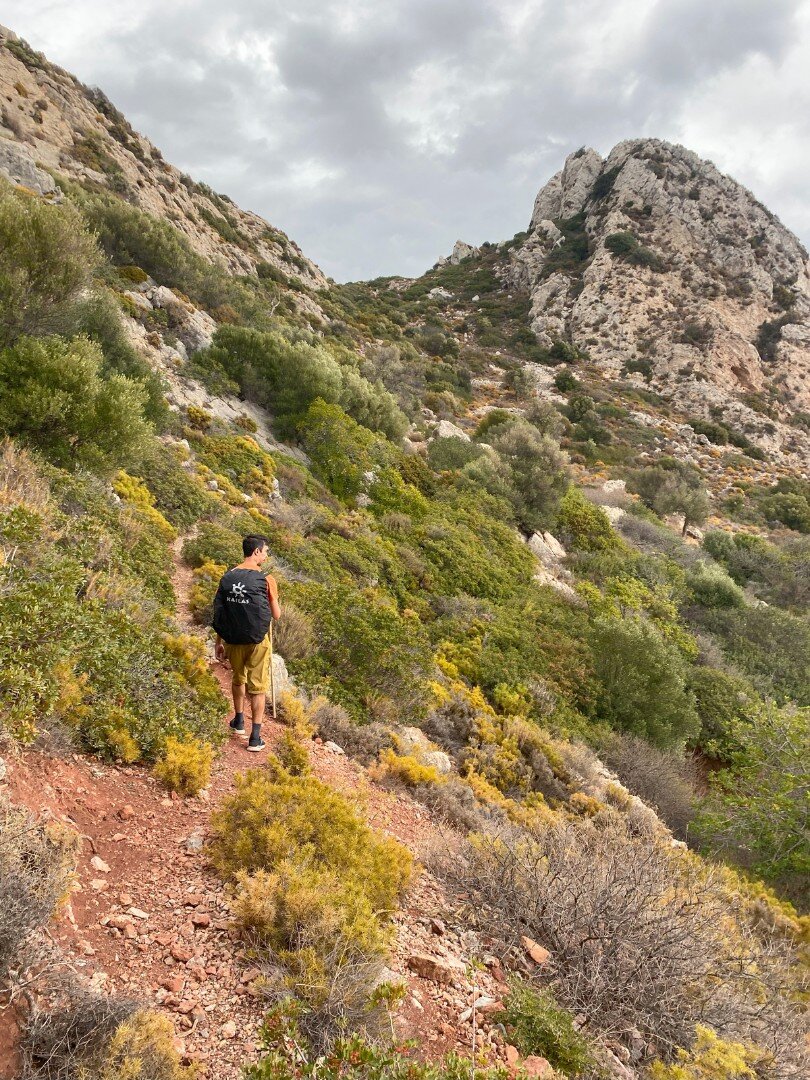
[[376, 134]]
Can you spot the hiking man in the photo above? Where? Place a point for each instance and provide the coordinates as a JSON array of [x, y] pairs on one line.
[[245, 602]]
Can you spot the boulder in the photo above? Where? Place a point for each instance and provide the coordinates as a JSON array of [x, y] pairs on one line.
[[438, 293], [281, 677], [438, 760], [445, 429], [615, 486], [614, 514], [439, 969], [462, 250], [534, 1065], [546, 548], [537, 952], [18, 166]]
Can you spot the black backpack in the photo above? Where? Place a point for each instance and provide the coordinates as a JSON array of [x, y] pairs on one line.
[[242, 608]]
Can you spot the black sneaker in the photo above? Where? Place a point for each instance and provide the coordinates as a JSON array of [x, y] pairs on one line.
[[237, 726], [255, 747]]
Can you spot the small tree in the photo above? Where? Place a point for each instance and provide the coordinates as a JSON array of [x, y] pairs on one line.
[[643, 678], [46, 258], [52, 395], [672, 487], [760, 809], [537, 470]]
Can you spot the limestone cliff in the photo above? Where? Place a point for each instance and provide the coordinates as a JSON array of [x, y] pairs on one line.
[[653, 262]]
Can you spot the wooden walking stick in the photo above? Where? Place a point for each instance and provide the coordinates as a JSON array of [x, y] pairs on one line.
[[272, 677]]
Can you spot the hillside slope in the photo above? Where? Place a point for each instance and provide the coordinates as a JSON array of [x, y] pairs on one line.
[[52, 123], [538, 789]]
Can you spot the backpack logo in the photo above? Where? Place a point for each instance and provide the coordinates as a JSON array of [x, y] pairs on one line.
[[238, 594]]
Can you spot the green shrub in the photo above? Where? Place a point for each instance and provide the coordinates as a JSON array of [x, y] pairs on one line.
[[711, 586], [724, 702], [643, 679], [350, 1059], [237, 457], [537, 474], [712, 1058], [369, 657], [47, 257], [213, 543], [584, 526], [757, 812], [626, 246], [452, 453], [206, 579], [82, 642], [178, 493], [53, 395], [536, 1024]]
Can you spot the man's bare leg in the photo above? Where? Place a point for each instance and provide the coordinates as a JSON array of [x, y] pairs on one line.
[[257, 703], [238, 722]]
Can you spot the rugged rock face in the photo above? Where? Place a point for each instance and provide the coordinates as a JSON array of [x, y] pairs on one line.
[[653, 261], [52, 123]]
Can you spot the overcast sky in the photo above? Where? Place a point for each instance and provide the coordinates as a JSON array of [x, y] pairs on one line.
[[377, 132]]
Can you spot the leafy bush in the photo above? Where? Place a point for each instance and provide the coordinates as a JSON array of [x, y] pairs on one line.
[[712, 1058], [52, 395], [185, 766], [452, 453], [643, 677], [724, 701], [82, 642], [584, 526], [293, 754], [758, 811], [269, 820], [213, 543], [711, 586], [351, 1059], [99, 1037], [239, 458], [627, 247], [537, 473], [316, 886], [406, 768], [47, 257], [179, 494], [767, 645], [370, 657], [536, 1024], [361, 741], [206, 579]]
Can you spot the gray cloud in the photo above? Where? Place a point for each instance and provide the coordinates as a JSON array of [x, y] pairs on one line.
[[377, 134]]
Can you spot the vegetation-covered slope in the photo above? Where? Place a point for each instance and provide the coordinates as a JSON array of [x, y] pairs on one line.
[[431, 480]]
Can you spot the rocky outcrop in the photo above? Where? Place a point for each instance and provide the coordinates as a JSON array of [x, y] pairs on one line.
[[18, 165], [654, 262], [462, 250], [51, 121]]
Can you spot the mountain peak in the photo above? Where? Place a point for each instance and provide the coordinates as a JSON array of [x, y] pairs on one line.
[[655, 263]]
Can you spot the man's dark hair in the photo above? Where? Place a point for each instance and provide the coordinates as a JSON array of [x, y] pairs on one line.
[[253, 543]]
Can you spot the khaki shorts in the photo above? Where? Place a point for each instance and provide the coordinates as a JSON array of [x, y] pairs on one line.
[[250, 665]]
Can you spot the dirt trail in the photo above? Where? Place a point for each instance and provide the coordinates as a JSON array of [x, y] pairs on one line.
[[150, 919]]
